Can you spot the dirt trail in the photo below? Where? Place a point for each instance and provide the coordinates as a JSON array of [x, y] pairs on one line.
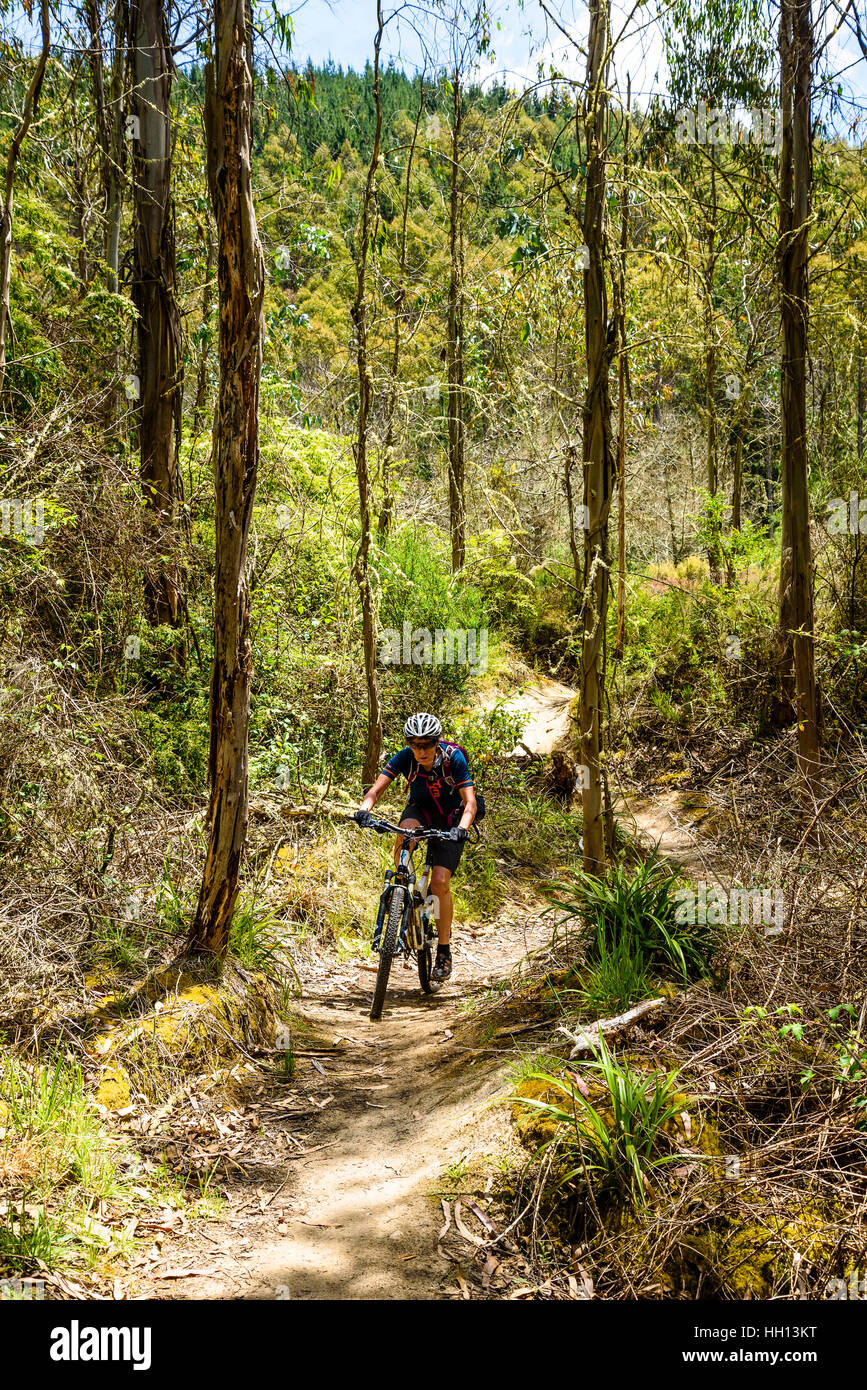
[[673, 820], [546, 705], [358, 1218]]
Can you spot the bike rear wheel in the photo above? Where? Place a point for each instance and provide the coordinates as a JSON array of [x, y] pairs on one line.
[[386, 950], [424, 968]]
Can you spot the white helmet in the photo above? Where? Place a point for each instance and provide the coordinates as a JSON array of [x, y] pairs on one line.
[[422, 726]]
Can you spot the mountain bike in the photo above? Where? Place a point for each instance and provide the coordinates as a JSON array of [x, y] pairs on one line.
[[405, 923]]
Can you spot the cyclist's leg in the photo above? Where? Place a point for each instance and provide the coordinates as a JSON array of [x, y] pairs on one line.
[[410, 821], [444, 858], [440, 888]]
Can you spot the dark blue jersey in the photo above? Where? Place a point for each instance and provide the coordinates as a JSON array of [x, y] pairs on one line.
[[432, 793]]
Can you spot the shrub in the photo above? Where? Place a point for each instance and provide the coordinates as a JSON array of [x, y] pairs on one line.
[[618, 1138], [637, 914]]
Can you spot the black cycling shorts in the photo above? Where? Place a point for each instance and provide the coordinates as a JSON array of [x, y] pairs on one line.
[[443, 854]]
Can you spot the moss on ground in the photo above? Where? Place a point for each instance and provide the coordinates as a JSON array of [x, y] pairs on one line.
[[751, 1251], [185, 1018], [743, 1249]]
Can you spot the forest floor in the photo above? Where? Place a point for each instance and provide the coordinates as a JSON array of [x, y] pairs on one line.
[[376, 1162]]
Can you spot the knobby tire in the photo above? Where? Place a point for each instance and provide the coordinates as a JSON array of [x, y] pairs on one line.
[[424, 968], [386, 950]]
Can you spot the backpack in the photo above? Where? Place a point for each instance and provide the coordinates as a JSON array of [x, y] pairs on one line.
[[449, 749]]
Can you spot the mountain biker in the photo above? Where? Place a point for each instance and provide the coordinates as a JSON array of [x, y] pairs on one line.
[[442, 797]]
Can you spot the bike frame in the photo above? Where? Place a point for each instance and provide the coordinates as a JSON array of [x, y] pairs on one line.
[[415, 927], [414, 933]]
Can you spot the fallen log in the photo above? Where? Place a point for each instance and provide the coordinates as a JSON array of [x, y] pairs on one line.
[[587, 1039]]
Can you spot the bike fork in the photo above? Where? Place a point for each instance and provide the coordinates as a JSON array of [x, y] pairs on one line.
[[384, 900], [428, 922]]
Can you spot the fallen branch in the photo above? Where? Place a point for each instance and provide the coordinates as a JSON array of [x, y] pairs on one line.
[[587, 1039], [464, 1230]]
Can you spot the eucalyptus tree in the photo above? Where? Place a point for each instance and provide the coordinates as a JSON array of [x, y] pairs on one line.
[[622, 385], [241, 274], [717, 60], [398, 291], [796, 611], [361, 571], [108, 31], [599, 337], [28, 114], [468, 37], [155, 296]]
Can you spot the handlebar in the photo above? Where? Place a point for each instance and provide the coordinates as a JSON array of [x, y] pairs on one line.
[[417, 832], [410, 832]]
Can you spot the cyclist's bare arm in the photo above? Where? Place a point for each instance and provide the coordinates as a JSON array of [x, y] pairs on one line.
[[468, 797], [375, 792]]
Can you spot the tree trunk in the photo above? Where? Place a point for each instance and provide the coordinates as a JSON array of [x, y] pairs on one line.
[[110, 134], [81, 212], [769, 488], [202, 377], [796, 570], [861, 401], [116, 163], [741, 416], [577, 552], [31, 102], [155, 298], [455, 341], [241, 277], [738, 479], [622, 362], [714, 548], [598, 471], [386, 515], [365, 390]]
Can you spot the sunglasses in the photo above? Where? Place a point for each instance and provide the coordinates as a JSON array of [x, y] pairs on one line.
[[424, 746]]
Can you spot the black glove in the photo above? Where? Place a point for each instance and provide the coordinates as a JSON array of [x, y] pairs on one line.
[[457, 832], [363, 818]]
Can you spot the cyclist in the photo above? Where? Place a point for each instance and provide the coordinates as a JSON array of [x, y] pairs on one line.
[[442, 797]]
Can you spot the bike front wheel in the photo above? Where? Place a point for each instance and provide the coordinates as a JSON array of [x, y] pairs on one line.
[[387, 947]]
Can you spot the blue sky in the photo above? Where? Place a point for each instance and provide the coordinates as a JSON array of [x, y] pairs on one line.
[[344, 30]]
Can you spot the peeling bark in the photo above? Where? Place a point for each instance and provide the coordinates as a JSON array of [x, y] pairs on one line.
[[155, 298], [598, 460], [241, 278]]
